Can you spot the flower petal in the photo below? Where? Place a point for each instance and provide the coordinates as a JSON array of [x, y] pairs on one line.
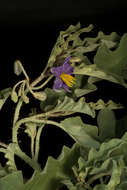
[[67, 59], [66, 87], [57, 71], [58, 83], [67, 68]]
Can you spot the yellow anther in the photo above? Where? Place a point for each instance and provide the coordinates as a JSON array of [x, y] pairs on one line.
[[68, 79]]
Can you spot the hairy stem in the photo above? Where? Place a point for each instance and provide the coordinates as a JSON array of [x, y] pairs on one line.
[[42, 85], [38, 79], [16, 117], [97, 176], [32, 147], [38, 141]]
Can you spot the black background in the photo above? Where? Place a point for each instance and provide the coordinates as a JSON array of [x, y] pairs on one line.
[[28, 31]]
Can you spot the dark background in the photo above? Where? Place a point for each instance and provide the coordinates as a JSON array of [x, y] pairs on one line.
[[28, 31]]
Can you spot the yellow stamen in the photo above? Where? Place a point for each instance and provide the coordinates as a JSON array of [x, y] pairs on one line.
[[68, 79]]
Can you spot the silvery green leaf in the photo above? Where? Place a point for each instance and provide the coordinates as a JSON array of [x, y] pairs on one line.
[[4, 94], [69, 105], [86, 135], [55, 171], [12, 181]]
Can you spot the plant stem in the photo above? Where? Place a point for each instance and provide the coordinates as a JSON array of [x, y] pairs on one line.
[[17, 110], [34, 120], [36, 81], [3, 145], [18, 107], [16, 123], [27, 159], [37, 142], [97, 176], [42, 85], [32, 147]]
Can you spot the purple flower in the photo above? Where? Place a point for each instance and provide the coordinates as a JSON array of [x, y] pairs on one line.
[[63, 74]]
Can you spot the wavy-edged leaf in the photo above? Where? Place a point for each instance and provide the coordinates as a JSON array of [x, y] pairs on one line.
[[51, 100], [109, 161], [4, 94], [110, 40], [115, 177], [108, 65], [59, 103], [106, 165], [10, 156], [82, 86], [86, 135], [113, 63], [69, 105], [62, 44], [94, 71], [100, 104], [55, 171]]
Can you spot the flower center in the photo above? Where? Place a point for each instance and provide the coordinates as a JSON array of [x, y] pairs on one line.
[[68, 79]]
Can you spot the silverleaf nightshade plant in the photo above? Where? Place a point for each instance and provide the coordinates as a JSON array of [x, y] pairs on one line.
[[98, 158]]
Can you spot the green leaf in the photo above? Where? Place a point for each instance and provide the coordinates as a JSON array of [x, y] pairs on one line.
[[82, 86], [69, 105], [86, 90], [51, 100], [111, 40], [100, 187], [84, 134], [58, 104], [69, 184], [31, 129], [106, 166], [10, 156], [55, 171], [3, 171], [122, 186], [121, 126], [106, 150], [115, 178], [4, 94], [13, 149], [108, 65], [94, 71], [62, 44], [113, 62], [12, 181], [106, 124], [100, 104]]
